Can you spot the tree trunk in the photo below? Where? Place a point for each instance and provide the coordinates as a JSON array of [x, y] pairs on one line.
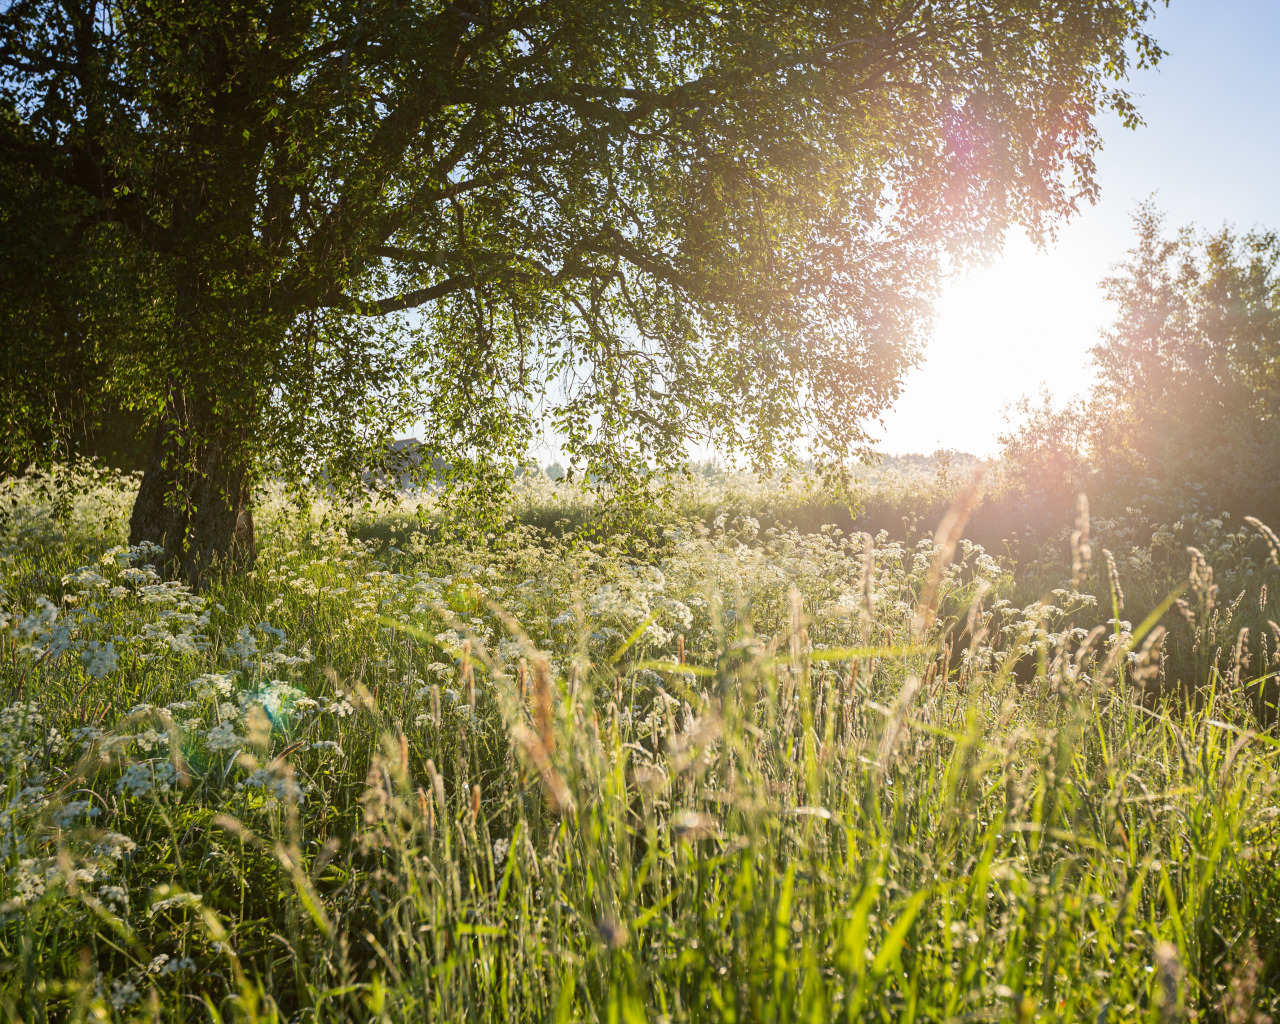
[[194, 497]]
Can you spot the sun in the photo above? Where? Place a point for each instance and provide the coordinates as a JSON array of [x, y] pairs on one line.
[[1025, 320]]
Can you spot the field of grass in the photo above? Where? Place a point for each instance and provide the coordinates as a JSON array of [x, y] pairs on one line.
[[724, 771]]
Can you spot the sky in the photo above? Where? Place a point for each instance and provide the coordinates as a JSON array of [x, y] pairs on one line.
[[1209, 154]]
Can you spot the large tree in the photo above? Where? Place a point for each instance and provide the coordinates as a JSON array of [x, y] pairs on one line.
[[651, 220]]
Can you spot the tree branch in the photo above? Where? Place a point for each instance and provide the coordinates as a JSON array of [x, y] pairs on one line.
[[399, 303]]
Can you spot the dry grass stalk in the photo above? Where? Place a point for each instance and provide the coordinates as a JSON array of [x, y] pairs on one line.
[[1240, 999], [554, 787], [1240, 657], [1273, 542], [1113, 576], [543, 707], [946, 537], [468, 674], [795, 604], [437, 785], [1146, 669], [1169, 980], [1081, 550], [866, 613], [895, 723]]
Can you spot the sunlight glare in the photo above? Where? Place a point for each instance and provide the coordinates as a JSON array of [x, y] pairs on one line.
[[1002, 330]]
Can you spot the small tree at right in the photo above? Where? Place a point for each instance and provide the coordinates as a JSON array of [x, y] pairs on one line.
[[1188, 388], [1187, 396]]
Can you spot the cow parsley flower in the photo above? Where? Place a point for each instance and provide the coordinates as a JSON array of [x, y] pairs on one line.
[[278, 786], [223, 737], [214, 684], [500, 850], [124, 993], [147, 777], [114, 846], [71, 813], [114, 898]]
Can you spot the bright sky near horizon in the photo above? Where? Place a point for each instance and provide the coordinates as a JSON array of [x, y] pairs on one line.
[[1209, 153]]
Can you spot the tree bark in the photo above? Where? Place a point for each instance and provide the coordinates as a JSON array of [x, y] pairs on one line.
[[194, 497]]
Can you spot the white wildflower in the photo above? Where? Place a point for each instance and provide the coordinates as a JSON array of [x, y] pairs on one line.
[[342, 708], [147, 777], [214, 684], [223, 737], [114, 897], [124, 993], [182, 899], [500, 849], [150, 740], [114, 846], [278, 786], [71, 813]]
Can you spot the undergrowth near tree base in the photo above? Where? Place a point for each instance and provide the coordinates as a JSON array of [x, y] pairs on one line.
[[727, 775]]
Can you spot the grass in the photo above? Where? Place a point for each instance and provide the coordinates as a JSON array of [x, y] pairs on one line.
[[728, 772]]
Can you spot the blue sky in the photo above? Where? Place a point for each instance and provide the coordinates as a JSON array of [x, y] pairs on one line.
[[1210, 154]]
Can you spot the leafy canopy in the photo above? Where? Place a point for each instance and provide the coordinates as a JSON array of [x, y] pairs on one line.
[[1186, 397], [1189, 372], [648, 222]]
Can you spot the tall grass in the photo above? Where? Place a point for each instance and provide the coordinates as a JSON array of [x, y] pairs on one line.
[[725, 773]]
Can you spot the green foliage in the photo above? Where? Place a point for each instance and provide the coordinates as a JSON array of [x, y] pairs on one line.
[[662, 222], [1184, 415], [1187, 376], [75, 307], [723, 776]]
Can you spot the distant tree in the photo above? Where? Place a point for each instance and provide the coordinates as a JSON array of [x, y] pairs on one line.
[[674, 219], [1188, 386], [1045, 455]]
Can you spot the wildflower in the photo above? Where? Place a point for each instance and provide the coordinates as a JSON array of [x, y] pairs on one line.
[[114, 897], [149, 740], [184, 643], [142, 577], [342, 708], [181, 899], [223, 737], [213, 684], [278, 786], [114, 846], [124, 993], [70, 813], [182, 965], [147, 777], [32, 878], [449, 638], [276, 698], [500, 849]]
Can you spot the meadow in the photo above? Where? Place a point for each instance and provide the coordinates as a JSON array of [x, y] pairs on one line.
[[750, 763]]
